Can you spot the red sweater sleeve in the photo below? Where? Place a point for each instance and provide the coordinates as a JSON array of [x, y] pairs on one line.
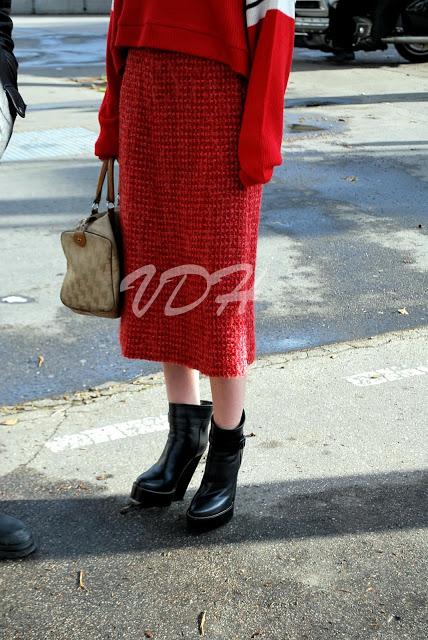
[[270, 27], [107, 144]]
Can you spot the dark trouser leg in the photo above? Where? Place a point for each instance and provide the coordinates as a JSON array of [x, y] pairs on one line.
[[385, 17], [342, 25]]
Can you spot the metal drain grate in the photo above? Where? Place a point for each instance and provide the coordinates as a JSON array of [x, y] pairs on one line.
[[50, 143]]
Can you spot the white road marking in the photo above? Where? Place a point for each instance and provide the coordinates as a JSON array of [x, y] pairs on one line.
[[117, 431], [50, 143], [389, 374], [152, 424], [14, 299]]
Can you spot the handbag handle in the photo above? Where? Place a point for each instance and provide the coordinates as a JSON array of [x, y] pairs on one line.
[[107, 169]]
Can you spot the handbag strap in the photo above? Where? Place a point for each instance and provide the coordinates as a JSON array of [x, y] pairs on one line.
[[107, 169]]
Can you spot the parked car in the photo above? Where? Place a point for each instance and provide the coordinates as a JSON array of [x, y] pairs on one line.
[[410, 35]]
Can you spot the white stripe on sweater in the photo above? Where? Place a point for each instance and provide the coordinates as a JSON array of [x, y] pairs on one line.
[[256, 10]]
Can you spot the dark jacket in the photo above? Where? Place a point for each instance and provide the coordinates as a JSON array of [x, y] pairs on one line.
[[8, 78], [6, 41]]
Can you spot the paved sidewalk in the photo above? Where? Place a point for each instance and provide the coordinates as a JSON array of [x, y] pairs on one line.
[[329, 534]]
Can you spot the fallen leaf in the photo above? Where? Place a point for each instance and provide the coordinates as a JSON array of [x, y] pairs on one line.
[[104, 476], [128, 507], [81, 576], [40, 360], [201, 623], [9, 422]]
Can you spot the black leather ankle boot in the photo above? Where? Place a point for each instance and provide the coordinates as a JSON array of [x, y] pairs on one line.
[[168, 478], [16, 541], [213, 503]]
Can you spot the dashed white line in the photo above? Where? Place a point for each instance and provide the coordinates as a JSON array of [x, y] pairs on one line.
[[108, 433], [152, 424], [389, 374]]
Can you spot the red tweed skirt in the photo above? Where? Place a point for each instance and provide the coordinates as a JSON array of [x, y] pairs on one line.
[[189, 226]]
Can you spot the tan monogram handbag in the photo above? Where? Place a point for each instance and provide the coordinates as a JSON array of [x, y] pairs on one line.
[[93, 250]]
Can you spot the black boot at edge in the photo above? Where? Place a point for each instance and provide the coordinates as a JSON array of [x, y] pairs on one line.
[[16, 541]]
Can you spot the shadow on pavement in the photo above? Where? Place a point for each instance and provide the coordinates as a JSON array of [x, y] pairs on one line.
[[83, 522]]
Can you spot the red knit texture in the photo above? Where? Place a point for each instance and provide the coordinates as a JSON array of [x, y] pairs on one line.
[[182, 203]]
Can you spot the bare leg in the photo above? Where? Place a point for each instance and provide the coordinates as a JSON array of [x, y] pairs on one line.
[[228, 400], [182, 383]]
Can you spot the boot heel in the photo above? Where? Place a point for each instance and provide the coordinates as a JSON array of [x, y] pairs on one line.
[[185, 478]]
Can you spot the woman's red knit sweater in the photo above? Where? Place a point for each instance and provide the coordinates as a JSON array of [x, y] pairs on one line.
[[254, 37]]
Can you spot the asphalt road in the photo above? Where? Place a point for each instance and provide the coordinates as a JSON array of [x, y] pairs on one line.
[[329, 535], [342, 246]]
